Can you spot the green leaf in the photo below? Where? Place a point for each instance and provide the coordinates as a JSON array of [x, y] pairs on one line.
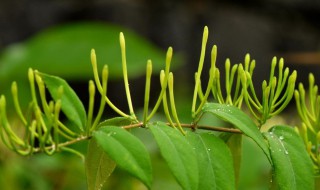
[[293, 169], [116, 121], [99, 166], [178, 153], [240, 120], [235, 145], [214, 162], [71, 105], [126, 150], [65, 51]]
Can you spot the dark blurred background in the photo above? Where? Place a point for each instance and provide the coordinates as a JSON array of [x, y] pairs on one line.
[[263, 28]]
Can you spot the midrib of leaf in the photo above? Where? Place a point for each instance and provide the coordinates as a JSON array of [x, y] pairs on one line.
[[176, 153]]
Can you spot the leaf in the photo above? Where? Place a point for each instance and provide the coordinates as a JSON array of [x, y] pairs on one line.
[[71, 105], [214, 162], [235, 145], [293, 169], [126, 150], [64, 51], [99, 166], [240, 120], [116, 121], [178, 154]]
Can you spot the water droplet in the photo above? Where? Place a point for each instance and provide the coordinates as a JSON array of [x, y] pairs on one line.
[[281, 138], [286, 152], [209, 149], [271, 133]]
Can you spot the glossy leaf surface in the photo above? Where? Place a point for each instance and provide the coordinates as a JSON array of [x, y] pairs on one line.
[[126, 150], [178, 153], [293, 169], [240, 120], [214, 162]]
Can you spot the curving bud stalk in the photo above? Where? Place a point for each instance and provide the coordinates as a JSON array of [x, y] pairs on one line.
[[164, 98], [147, 91], [227, 82], [200, 66], [102, 101], [273, 67], [163, 81], [200, 92], [51, 106], [14, 91], [252, 67], [95, 70], [246, 62], [92, 91], [172, 103], [168, 59], [272, 100], [32, 87], [125, 72], [57, 109], [42, 93], [206, 95], [213, 56], [4, 123], [312, 94]]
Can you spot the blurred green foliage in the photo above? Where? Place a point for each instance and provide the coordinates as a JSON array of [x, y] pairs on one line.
[[64, 51]]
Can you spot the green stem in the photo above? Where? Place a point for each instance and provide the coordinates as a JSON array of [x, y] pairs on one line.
[[125, 72], [165, 82], [14, 90], [164, 99], [147, 91], [99, 86], [201, 61], [204, 100], [172, 103], [102, 102], [92, 90]]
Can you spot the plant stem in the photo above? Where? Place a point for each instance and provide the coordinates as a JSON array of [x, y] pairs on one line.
[[141, 124], [198, 77], [125, 73]]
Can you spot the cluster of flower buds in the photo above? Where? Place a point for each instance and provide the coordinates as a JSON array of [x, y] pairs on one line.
[[308, 107]]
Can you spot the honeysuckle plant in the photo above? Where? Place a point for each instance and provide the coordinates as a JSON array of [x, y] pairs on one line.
[[197, 157]]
